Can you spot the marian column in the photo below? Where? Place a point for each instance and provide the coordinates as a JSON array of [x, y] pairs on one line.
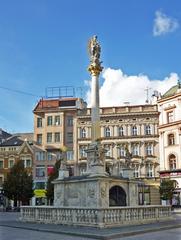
[[95, 69], [95, 152]]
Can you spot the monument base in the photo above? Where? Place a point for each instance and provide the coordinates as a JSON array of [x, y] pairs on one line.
[[95, 191]]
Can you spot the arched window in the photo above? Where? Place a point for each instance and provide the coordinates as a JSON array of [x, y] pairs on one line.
[[134, 131], [172, 162], [147, 130], [171, 139], [117, 196], [82, 133], [120, 131], [107, 132]]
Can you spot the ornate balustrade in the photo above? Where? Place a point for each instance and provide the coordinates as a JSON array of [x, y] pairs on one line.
[[100, 217]]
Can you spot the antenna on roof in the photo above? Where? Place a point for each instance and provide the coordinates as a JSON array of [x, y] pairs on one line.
[[179, 84], [147, 89]]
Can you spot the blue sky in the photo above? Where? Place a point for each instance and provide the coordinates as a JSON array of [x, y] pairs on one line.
[[44, 44]]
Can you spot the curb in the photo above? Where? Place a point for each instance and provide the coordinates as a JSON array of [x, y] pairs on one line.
[[96, 236]]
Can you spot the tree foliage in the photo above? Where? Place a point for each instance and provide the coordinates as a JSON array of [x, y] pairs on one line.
[[18, 185], [50, 185], [167, 188]]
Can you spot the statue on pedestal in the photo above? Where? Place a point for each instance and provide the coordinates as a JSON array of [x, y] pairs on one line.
[[94, 50]]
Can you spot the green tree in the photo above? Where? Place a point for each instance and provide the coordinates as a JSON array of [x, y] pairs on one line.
[[50, 185], [18, 185], [167, 188]]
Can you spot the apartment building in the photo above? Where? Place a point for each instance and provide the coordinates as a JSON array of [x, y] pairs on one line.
[[170, 138], [12, 150], [125, 130], [53, 137]]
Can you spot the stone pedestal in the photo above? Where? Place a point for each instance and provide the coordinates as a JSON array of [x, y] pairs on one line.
[[92, 191], [95, 160]]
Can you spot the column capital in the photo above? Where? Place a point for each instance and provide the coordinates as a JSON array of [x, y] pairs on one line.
[[95, 69]]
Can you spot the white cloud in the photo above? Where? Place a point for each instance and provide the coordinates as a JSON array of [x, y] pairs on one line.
[[118, 88], [164, 24]]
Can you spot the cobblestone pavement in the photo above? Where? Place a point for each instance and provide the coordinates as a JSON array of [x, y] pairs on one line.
[[12, 228], [174, 234], [7, 233]]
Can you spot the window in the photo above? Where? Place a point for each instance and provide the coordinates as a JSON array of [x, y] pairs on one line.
[[136, 172], [148, 130], [82, 151], [57, 120], [1, 180], [28, 163], [1, 164], [70, 121], [40, 185], [49, 121], [40, 156], [170, 117], [10, 163], [108, 150], [107, 132], [122, 152], [82, 169], [171, 139], [82, 133], [120, 131], [49, 156], [49, 137], [70, 155], [172, 162], [57, 137], [39, 122], [149, 150], [149, 170], [134, 131], [135, 150], [40, 171], [69, 137], [39, 138]]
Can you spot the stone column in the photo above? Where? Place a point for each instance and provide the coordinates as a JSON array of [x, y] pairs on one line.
[[95, 116], [95, 152]]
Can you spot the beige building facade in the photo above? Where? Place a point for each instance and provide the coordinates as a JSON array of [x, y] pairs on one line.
[[170, 138], [128, 133], [53, 136]]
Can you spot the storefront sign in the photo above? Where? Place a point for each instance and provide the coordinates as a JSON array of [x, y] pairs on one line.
[[39, 193]]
